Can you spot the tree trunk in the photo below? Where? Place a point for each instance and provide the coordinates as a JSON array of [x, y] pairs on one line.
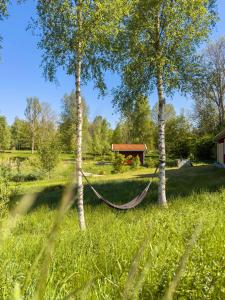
[[80, 203], [221, 115], [161, 118], [33, 144], [221, 101], [161, 141]]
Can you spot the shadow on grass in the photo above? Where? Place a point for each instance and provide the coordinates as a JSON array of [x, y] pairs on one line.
[[184, 181], [180, 182], [68, 160]]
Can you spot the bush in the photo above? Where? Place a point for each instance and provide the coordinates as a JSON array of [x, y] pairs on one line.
[[151, 163], [25, 169], [102, 172], [180, 149], [48, 154], [26, 177], [5, 191], [178, 137], [118, 163], [135, 162], [128, 160], [171, 163], [205, 148]]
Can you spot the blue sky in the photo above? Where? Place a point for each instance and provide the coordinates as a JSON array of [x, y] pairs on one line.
[[21, 75]]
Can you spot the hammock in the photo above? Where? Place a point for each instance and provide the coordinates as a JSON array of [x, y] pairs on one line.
[[129, 205]]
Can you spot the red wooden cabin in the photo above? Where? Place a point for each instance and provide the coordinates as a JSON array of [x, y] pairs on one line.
[[220, 141], [131, 149]]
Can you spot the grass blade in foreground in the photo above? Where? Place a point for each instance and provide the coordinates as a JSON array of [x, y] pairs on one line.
[[183, 262], [66, 203], [130, 287], [20, 210]]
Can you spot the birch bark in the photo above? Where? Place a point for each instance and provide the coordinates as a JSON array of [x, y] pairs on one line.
[[161, 142], [161, 120], [80, 193]]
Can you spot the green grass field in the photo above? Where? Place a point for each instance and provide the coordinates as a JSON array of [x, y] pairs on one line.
[[145, 253]]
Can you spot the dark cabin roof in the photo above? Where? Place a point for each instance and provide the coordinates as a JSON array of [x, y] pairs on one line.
[[129, 147], [220, 136]]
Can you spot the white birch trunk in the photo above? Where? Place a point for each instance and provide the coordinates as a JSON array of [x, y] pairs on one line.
[[161, 143], [80, 203], [161, 120]]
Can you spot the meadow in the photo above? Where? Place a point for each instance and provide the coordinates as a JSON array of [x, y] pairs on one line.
[[146, 253]]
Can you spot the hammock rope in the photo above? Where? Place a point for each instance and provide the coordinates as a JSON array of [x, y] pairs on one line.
[[129, 205]]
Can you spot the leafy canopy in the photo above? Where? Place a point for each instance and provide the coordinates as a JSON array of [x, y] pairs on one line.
[[100, 132], [141, 126], [68, 121], [161, 34], [61, 35], [169, 112], [178, 137], [209, 87], [48, 152], [3, 9], [20, 134]]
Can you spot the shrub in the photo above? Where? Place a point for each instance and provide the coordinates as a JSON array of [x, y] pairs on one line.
[[129, 160], [178, 137], [171, 163], [25, 169], [102, 172], [135, 162], [48, 154], [111, 157], [205, 148], [118, 163], [5, 191], [151, 162], [32, 176]]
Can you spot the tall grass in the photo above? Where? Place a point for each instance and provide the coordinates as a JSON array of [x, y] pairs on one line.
[[146, 253], [101, 261]]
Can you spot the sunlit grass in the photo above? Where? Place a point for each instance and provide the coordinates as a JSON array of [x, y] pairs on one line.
[[146, 253]]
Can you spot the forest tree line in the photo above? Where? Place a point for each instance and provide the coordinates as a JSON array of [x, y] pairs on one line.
[[189, 134]]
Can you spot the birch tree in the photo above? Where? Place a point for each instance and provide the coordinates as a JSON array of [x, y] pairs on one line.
[[204, 116], [32, 113], [169, 112], [158, 52], [210, 86], [73, 35], [47, 125]]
